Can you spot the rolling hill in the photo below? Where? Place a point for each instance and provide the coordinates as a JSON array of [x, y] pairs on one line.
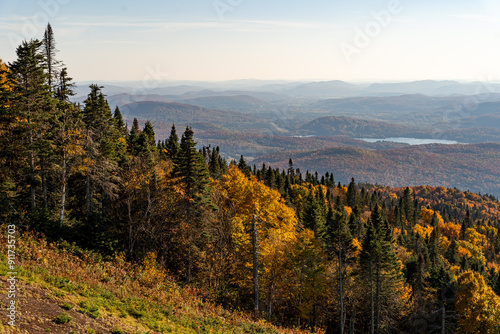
[[240, 103], [352, 127], [181, 113]]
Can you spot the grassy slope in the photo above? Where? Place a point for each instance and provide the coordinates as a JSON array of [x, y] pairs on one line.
[[107, 296]]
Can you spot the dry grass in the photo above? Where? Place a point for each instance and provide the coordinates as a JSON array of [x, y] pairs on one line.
[[139, 297]]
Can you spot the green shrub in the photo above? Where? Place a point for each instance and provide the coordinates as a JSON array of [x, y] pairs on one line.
[[67, 306], [63, 318]]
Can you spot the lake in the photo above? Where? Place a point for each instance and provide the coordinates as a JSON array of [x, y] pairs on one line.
[[410, 141]]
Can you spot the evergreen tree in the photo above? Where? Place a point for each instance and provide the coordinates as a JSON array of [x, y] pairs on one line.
[[101, 147], [191, 168], [70, 129], [215, 165], [242, 165], [338, 238], [380, 269], [352, 194], [291, 170], [172, 145], [49, 52], [145, 144], [192, 172], [314, 218], [133, 137], [30, 113], [406, 206], [119, 122]]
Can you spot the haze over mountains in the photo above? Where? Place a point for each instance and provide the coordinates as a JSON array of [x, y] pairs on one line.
[[319, 125]]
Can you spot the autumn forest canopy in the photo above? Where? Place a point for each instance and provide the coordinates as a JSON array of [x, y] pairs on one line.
[[297, 248]]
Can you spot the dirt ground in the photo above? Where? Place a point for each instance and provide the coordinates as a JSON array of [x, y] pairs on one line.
[[37, 309]]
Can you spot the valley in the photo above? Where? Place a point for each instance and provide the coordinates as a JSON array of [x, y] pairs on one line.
[[320, 125]]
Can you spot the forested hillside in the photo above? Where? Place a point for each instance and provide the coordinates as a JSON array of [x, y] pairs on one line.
[[283, 246], [467, 167]]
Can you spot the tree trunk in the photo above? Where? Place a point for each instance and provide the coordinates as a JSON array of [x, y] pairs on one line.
[[352, 323], [44, 184], [301, 290], [63, 191], [341, 292], [190, 241], [270, 300], [378, 300], [88, 195], [443, 320], [32, 174], [255, 266], [372, 303], [131, 236]]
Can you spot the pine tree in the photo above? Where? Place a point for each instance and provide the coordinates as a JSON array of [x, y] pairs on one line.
[[49, 51], [352, 194], [119, 122], [70, 130], [338, 238], [30, 109], [314, 218], [191, 170], [380, 269], [133, 137], [190, 167], [214, 165], [101, 143], [145, 145], [242, 165], [406, 206], [291, 170], [173, 144]]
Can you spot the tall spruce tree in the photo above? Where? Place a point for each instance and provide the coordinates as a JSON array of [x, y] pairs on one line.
[[191, 170], [49, 52], [380, 271], [101, 148], [242, 165], [30, 109], [70, 128], [173, 144], [352, 194], [338, 240], [119, 122]]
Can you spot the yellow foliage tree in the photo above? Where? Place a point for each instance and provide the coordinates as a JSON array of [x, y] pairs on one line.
[[477, 305], [3, 76], [423, 231], [276, 227], [475, 238], [347, 210], [469, 250], [427, 214]]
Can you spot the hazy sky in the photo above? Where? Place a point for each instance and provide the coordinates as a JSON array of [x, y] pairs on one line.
[[356, 40]]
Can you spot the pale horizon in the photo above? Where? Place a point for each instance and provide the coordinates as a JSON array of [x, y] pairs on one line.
[[358, 42]]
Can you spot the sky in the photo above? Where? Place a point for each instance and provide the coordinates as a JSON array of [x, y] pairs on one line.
[[215, 40]]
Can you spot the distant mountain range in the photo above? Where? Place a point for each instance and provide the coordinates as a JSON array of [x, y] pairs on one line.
[[311, 90]]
